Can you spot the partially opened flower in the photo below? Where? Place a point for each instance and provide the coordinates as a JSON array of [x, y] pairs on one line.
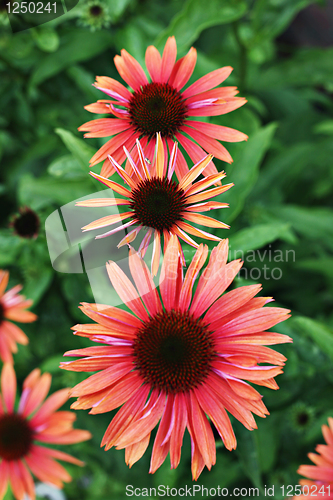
[[159, 203], [35, 420], [160, 105], [320, 475], [26, 223], [178, 357], [12, 307]]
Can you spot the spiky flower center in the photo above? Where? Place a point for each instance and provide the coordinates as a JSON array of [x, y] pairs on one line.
[[16, 437], [96, 10], [173, 351], [157, 107], [158, 203], [26, 224]]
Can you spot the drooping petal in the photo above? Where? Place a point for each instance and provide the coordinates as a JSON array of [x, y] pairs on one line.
[[4, 277], [161, 443], [169, 275], [144, 283], [8, 386]]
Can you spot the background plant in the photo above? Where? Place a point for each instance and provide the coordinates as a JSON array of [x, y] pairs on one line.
[[281, 201]]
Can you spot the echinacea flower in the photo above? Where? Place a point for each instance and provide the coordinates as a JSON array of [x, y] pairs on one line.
[[26, 223], [95, 15], [320, 482], [12, 307], [160, 105], [178, 358], [159, 203], [34, 420]]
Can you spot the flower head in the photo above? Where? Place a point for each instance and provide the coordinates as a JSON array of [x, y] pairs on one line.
[[160, 105], [34, 420], [160, 204], [178, 357], [26, 223], [95, 15], [321, 474], [12, 307]]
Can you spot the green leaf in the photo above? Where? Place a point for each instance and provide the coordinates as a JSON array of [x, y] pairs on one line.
[[116, 8], [51, 364], [257, 236], [10, 246], [37, 193], [248, 453], [270, 18], [267, 441], [37, 280], [325, 127], [77, 45], [67, 167], [319, 333], [307, 67], [313, 223], [196, 16], [46, 39], [80, 149], [321, 265], [83, 80], [245, 169]]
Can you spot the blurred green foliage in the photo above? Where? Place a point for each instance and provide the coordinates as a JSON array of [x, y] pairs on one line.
[[280, 213]]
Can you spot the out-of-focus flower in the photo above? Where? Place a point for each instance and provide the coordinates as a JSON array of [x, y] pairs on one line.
[[95, 15], [34, 420], [26, 223], [160, 204], [176, 358], [12, 307], [301, 416], [160, 105], [320, 475]]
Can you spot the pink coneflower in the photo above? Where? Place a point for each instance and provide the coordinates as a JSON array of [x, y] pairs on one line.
[[161, 106], [320, 482], [12, 307], [176, 358], [34, 420], [159, 203]]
